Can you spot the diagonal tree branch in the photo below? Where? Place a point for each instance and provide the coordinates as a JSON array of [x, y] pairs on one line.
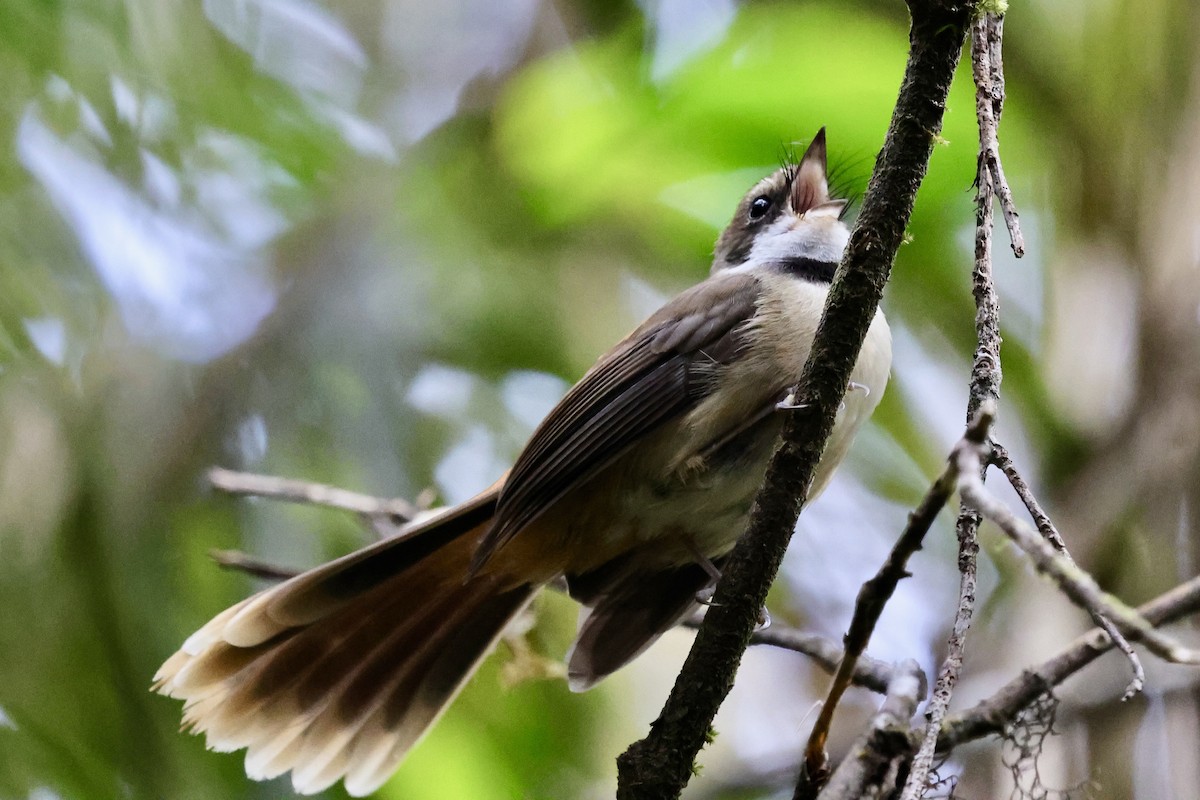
[[1003, 461], [990, 716], [868, 673], [1074, 582], [660, 765], [250, 565]]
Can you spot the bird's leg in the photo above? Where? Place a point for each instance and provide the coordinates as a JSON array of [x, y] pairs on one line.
[[705, 595], [788, 402]]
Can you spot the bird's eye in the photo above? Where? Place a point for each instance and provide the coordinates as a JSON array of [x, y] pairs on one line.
[[759, 207]]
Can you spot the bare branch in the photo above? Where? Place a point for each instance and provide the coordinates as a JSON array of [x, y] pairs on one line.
[[1077, 584], [869, 673], [988, 64], [872, 598], [1002, 460], [871, 767], [318, 494], [990, 716], [243, 562], [947, 678]]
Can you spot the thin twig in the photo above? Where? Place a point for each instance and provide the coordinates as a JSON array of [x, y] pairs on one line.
[[871, 766], [872, 598], [1003, 461], [869, 673], [319, 494], [989, 86], [986, 377], [948, 673], [951, 667], [1075, 583], [243, 562], [991, 715]]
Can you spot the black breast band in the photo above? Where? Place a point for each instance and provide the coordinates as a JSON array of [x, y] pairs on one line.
[[808, 268]]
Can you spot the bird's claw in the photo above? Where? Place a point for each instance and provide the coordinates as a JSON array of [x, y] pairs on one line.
[[788, 403], [854, 386]]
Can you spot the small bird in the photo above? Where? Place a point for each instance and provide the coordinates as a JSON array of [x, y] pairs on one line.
[[633, 489]]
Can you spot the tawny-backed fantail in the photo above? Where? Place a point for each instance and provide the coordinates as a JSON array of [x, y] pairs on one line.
[[634, 488]]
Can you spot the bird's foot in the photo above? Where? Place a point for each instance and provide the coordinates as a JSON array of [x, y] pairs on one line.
[[859, 387], [789, 403], [764, 619]]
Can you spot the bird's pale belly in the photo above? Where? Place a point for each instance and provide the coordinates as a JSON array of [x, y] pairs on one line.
[[701, 511]]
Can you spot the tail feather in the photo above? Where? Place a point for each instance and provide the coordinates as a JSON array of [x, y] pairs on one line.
[[346, 708], [211, 665], [338, 672], [396, 716], [304, 675], [318, 780], [630, 610], [319, 592], [275, 755]]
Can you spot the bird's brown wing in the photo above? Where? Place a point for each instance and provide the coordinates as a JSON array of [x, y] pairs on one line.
[[658, 372]]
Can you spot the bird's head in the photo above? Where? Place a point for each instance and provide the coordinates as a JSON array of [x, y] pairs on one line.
[[787, 216]]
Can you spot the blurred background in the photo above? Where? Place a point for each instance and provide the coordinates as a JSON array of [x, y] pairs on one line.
[[370, 244]]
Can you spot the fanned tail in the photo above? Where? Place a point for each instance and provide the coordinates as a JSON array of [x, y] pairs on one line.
[[338, 672]]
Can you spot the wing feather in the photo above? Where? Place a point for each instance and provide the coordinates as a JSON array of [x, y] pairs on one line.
[[657, 373]]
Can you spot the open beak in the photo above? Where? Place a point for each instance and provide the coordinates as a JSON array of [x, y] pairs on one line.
[[809, 188]]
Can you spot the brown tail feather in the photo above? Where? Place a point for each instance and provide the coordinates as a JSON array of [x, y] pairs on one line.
[[629, 610], [338, 672]]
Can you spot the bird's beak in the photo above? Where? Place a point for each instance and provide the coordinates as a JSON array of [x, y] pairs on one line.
[[810, 188]]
